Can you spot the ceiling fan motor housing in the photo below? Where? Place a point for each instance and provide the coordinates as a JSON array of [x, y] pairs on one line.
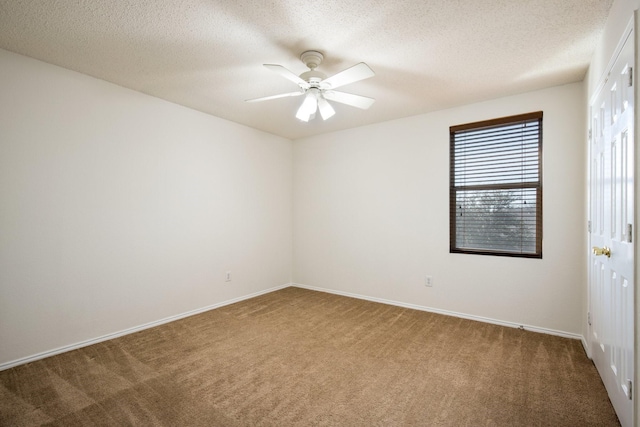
[[313, 77]]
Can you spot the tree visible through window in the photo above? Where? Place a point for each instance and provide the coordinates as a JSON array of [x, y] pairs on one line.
[[496, 186]]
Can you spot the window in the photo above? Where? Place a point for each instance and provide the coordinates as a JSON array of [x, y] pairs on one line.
[[495, 190]]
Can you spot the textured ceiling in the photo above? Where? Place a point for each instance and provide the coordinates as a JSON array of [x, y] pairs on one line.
[[207, 54]]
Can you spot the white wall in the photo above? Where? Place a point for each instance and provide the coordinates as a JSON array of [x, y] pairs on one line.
[[118, 209], [371, 216]]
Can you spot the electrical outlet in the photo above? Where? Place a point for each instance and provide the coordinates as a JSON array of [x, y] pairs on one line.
[[428, 281], [228, 277]]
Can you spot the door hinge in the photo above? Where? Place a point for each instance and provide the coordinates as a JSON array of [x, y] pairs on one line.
[[589, 318], [630, 389], [589, 226], [629, 233], [630, 76], [590, 134]]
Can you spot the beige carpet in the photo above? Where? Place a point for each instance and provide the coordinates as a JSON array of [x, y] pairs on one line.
[[302, 358]]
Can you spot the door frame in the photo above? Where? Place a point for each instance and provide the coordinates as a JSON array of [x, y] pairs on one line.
[[636, 189]]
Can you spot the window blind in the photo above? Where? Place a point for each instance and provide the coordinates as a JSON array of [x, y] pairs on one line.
[[496, 186]]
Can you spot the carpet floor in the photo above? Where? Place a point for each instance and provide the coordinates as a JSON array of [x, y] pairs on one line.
[[297, 357]]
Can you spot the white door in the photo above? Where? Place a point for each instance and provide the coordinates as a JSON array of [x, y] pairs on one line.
[[611, 195]]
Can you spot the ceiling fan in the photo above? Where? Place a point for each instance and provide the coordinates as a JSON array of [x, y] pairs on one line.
[[318, 89]]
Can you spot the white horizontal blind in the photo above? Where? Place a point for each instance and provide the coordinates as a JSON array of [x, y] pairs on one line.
[[495, 186]]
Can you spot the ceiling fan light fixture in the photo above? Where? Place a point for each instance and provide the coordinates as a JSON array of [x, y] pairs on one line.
[[300, 115], [326, 110], [309, 106]]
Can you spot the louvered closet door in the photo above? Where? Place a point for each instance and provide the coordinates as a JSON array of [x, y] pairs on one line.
[[611, 193]]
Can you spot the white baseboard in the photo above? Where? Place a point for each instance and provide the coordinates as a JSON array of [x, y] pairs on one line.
[[585, 345], [127, 331], [449, 313]]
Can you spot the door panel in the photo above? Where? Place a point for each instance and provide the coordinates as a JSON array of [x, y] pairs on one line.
[[611, 293]]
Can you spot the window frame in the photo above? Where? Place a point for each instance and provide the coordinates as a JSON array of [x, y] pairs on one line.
[[453, 189]]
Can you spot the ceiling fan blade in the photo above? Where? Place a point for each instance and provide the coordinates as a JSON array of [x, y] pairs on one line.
[[287, 75], [282, 95], [356, 73], [326, 110], [358, 101]]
